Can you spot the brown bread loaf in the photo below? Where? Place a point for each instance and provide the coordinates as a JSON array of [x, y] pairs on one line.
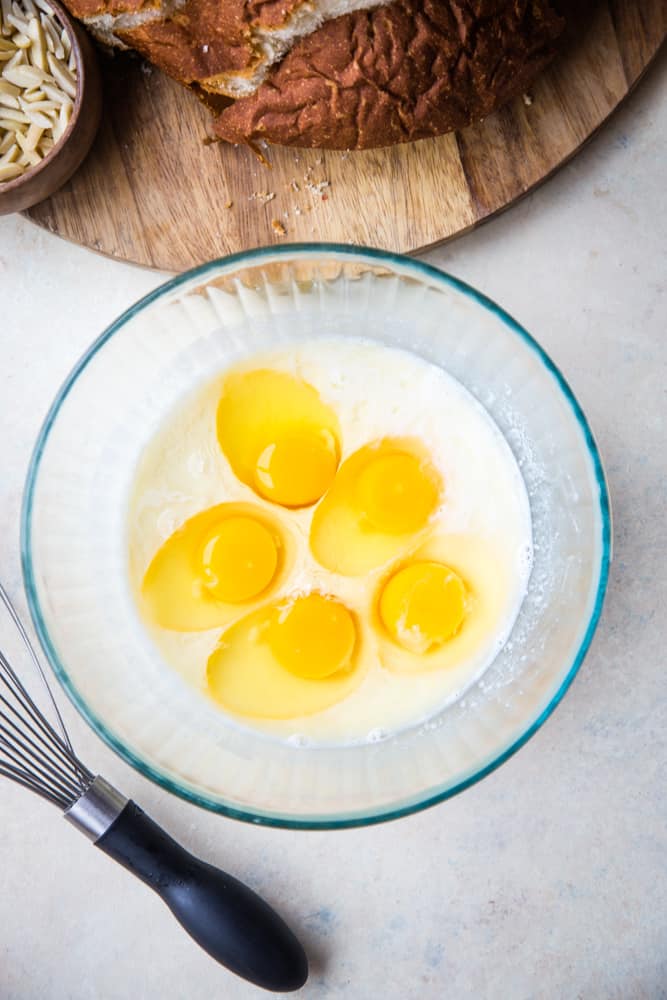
[[301, 73], [413, 69]]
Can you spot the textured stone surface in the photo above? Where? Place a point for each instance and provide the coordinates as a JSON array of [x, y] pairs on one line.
[[547, 880]]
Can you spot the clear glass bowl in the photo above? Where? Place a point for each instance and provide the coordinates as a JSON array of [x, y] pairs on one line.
[[75, 555]]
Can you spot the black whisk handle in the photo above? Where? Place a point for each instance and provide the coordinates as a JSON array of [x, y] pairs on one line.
[[226, 918]]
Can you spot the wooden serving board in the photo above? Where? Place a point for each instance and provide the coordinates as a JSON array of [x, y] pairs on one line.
[[154, 193]]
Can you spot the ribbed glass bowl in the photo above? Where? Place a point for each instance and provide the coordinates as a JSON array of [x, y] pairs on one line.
[[75, 551]]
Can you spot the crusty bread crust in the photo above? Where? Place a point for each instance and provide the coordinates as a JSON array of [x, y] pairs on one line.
[[113, 8], [413, 69], [224, 47], [294, 73], [202, 39]]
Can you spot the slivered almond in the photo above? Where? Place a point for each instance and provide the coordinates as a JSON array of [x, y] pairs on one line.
[[33, 136], [37, 44], [29, 158], [9, 171], [20, 23], [39, 118], [25, 76], [62, 75], [63, 121], [43, 105], [21, 140], [54, 93], [15, 60], [11, 155], [38, 84], [5, 11], [53, 39], [12, 115], [32, 96]]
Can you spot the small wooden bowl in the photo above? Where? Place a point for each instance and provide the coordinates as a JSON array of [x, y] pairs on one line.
[[67, 155]]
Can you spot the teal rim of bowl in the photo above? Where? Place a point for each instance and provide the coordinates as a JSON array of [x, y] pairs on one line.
[[419, 270]]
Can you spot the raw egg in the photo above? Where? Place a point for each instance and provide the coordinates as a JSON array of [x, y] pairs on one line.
[[368, 553], [278, 435], [384, 495], [217, 562], [442, 605], [423, 605], [286, 660]]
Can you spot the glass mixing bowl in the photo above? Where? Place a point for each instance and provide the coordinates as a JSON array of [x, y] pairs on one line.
[[74, 531]]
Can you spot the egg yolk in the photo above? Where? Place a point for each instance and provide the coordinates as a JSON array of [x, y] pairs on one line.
[[216, 560], [286, 660], [297, 468], [279, 437], [396, 493], [239, 558], [313, 637], [423, 605]]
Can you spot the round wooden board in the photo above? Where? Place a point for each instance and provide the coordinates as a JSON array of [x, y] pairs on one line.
[[154, 193]]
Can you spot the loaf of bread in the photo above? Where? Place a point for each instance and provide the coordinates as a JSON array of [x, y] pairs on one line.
[[337, 74]]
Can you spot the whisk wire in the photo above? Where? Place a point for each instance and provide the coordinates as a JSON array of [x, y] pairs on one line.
[[11, 611], [21, 749], [20, 764], [32, 752], [51, 740], [21, 778]]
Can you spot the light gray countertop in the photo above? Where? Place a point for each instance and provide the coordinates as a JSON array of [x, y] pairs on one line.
[[549, 879]]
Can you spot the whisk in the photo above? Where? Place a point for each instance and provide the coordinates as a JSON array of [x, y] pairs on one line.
[[225, 917]]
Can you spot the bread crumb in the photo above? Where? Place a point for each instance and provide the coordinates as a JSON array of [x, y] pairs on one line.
[[528, 99], [262, 196], [229, 204], [318, 187], [278, 227], [294, 185]]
